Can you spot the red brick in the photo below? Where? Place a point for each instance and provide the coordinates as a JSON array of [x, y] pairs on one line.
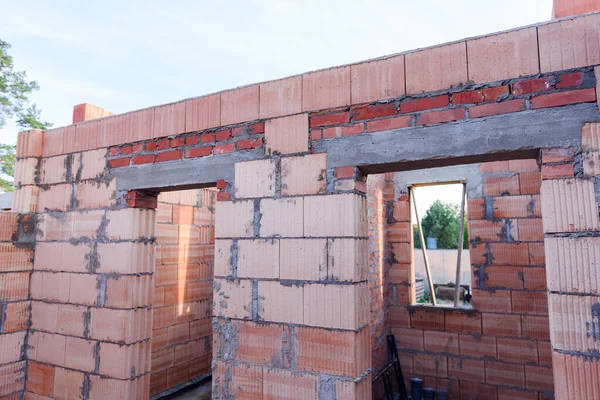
[[198, 152], [564, 98], [119, 162], [163, 144], [222, 135], [529, 164], [530, 182], [399, 317], [144, 159], [376, 111], [223, 149], [462, 321], [498, 186], [557, 171], [169, 156], [255, 129], [517, 394], [344, 172], [126, 150], [113, 151], [517, 350], [441, 342], [150, 146], [479, 96], [177, 142], [501, 324], [504, 374], [510, 253], [488, 231], [492, 300], [477, 391], [427, 318], [569, 80], [509, 277], [516, 206], [316, 134], [425, 103], [494, 167], [532, 85], [530, 229], [340, 131], [40, 379], [191, 140], [389, 123], [329, 119], [408, 339], [16, 316], [539, 378], [222, 196], [207, 137], [504, 107], [466, 370], [248, 144], [544, 352], [536, 327], [221, 184], [533, 303], [476, 208], [537, 254], [477, 346], [437, 117], [558, 155]]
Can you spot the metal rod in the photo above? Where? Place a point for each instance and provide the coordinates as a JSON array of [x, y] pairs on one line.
[[460, 244], [423, 247]]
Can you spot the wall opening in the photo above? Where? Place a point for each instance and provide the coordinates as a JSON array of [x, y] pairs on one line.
[[440, 209], [184, 262], [499, 346]]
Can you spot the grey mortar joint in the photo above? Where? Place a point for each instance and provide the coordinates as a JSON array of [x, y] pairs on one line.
[[326, 388], [578, 162], [101, 231], [234, 257], [87, 317], [68, 168], [489, 208], [2, 316], [74, 202], [80, 169], [257, 218], [101, 286], [97, 357], [92, 259], [255, 300], [278, 172], [87, 385], [330, 183]]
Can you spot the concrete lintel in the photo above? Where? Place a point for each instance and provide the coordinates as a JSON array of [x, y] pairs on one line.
[[468, 173], [183, 174], [501, 137]]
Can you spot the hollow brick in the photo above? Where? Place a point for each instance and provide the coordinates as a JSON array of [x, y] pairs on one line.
[[303, 175], [255, 178], [282, 217], [233, 299], [234, 219], [258, 258], [279, 303]]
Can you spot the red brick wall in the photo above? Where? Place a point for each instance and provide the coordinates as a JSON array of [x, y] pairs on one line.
[[501, 347], [16, 263], [182, 332], [379, 200]]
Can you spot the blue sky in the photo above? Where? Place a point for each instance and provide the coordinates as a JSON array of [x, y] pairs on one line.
[[126, 55]]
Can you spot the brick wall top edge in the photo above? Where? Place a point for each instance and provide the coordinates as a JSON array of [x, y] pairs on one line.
[[100, 120]]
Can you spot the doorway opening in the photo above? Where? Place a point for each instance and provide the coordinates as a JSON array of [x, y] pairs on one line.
[[183, 280]]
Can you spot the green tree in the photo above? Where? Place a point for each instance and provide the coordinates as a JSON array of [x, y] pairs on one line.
[[7, 166], [15, 89], [442, 221]]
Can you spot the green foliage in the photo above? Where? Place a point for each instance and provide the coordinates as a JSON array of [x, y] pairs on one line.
[[14, 86], [442, 221], [416, 237], [7, 166], [15, 89], [31, 119]]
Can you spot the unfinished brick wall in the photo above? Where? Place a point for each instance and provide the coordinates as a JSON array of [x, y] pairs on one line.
[[16, 262], [182, 328], [289, 157], [571, 225], [500, 348]]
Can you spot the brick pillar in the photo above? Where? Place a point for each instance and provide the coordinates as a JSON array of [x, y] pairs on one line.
[[91, 285], [87, 112], [290, 294], [566, 8], [571, 225]]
